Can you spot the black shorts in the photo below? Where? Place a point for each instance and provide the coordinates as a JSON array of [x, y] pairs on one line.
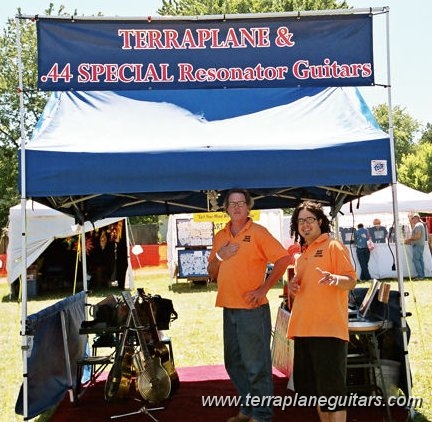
[[320, 370]]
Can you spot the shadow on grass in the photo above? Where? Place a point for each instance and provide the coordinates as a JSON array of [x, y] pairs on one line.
[[193, 287], [203, 286]]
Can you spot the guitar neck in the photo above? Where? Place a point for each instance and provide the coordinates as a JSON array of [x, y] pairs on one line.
[[150, 315], [121, 347], [140, 333], [137, 323]]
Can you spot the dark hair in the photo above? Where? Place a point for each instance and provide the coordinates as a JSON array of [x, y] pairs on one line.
[[248, 198], [360, 225], [316, 209]]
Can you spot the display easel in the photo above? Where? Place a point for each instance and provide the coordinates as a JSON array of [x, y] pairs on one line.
[[192, 264], [193, 245]]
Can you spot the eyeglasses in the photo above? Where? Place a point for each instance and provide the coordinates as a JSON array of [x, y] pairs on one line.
[[308, 220], [240, 204]]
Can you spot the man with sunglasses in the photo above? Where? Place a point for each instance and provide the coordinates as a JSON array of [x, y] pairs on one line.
[[238, 262]]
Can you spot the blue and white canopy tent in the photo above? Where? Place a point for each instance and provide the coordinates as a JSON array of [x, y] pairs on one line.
[[162, 115], [158, 116], [125, 153]]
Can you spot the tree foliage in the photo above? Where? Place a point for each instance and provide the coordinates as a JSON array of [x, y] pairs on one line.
[[426, 136], [415, 169], [17, 123], [218, 7], [11, 128], [405, 128], [413, 158]]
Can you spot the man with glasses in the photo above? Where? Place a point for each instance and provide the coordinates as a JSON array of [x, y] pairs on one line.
[[318, 323], [238, 262]]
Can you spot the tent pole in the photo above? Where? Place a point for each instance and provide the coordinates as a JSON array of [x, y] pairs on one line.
[[76, 268], [398, 240], [84, 258], [129, 273], [24, 338]]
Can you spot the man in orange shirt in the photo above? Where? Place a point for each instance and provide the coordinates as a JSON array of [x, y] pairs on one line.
[[318, 323], [238, 261]]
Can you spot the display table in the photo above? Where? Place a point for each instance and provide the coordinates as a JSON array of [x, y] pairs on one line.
[[389, 335], [383, 257]]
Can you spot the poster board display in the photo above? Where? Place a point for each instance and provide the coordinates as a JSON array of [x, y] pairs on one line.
[[194, 233], [193, 263], [347, 235], [282, 348]]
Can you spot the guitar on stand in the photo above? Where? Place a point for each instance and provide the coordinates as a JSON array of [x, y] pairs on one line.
[[160, 348], [153, 381], [119, 378]]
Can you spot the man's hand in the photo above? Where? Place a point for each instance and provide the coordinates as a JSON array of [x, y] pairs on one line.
[[328, 278], [228, 250], [254, 297], [293, 286]]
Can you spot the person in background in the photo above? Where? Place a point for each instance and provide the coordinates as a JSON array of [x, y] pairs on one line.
[[378, 233], [361, 236], [318, 324], [417, 241], [121, 253], [238, 262]]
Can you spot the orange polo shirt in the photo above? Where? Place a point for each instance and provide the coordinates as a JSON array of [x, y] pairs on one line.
[[245, 271], [321, 310]]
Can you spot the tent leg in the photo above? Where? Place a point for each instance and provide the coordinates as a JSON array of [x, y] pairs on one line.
[[67, 357]]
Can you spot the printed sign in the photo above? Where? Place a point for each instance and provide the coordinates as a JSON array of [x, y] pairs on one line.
[[80, 54]]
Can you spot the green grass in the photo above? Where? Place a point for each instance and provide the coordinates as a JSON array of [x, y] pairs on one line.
[[197, 333]]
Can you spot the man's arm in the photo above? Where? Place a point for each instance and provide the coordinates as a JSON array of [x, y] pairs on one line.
[[255, 296], [415, 235], [277, 272], [213, 268]]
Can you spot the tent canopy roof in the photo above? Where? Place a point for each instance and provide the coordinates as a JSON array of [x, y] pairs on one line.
[[109, 154]]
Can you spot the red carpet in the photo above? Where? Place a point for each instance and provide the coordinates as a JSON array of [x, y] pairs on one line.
[[186, 405]]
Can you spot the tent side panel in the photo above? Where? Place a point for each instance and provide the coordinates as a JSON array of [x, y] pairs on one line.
[[47, 375]]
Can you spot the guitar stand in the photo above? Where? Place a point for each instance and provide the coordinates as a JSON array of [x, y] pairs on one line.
[[144, 410]]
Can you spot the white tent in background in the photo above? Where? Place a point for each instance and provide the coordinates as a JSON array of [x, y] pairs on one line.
[[44, 225], [382, 202], [380, 205]]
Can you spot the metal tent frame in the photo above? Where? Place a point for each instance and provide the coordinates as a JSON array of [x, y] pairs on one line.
[[372, 10]]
